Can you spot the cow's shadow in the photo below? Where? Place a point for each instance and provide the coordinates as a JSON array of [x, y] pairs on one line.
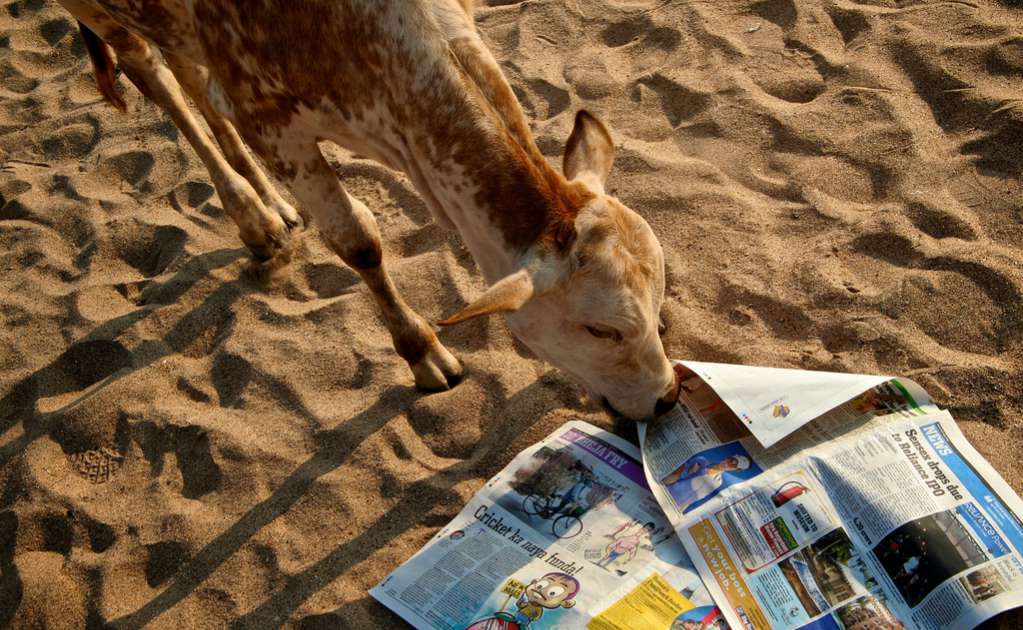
[[333, 449], [99, 360]]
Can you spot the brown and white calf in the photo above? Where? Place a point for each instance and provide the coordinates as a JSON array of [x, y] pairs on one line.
[[579, 276]]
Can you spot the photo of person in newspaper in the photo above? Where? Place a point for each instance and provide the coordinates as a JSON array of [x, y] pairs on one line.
[[554, 492], [984, 584], [707, 473], [822, 574], [575, 496], [867, 613], [565, 509], [702, 618], [881, 400], [923, 553], [551, 592]]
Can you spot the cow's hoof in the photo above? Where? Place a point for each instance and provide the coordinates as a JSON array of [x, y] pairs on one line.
[[273, 246], [262, 255], [292, 220], [438, 371]]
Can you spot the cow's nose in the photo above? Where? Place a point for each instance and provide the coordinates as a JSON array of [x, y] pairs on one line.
[[663, 406], [666, 404]]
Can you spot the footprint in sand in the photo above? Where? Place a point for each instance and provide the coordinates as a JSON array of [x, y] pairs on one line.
[[588, 75], [938, 223], [678, 102], [75, 141], [968, 290], [639, 30], [191, 194], [14, 80], [54, 30], [149, 249], [97, 465], [163, 561], [132, 167], [329, 279]]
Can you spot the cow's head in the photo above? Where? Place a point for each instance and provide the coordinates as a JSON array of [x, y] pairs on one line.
[[592, 306]]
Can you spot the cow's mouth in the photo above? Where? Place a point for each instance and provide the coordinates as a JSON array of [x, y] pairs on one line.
[[614, 413]]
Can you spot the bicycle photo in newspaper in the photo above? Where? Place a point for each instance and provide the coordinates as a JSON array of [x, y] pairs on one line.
[[568, 535], [555, 490]]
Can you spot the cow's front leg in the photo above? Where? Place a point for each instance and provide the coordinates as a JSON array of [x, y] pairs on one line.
[[351, 231]]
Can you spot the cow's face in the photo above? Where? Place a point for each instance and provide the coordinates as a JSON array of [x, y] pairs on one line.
[[593, 308], [598, 320]]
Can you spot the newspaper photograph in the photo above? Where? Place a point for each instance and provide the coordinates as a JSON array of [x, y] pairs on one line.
[[876, 514], [566, 536]]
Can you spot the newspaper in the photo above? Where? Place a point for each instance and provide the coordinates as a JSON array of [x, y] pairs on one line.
[[566, 536], [869, 509], [767, 499]]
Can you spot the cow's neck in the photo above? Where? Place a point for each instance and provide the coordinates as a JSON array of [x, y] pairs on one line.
[[476, 164], [506, 210]]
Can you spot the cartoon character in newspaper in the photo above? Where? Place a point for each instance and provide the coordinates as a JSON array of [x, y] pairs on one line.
[[704, 475], [626, 541], [550, 592]]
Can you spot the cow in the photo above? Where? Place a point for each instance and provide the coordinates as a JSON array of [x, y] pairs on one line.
[[578, 275]]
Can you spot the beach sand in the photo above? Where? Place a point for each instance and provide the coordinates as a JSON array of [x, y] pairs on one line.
[[183, 443]]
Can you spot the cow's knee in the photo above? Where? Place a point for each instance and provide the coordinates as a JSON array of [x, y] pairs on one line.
[[363, 256], [355, 236]]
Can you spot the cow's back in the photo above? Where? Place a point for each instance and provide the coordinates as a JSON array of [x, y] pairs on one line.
[[363, 57], [166, 23]]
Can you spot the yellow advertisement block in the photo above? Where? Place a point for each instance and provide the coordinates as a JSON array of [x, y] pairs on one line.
[[728, 576], [653, 605]]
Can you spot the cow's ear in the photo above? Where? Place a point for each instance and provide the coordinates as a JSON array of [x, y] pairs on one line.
[[590, 151], [506, 296]]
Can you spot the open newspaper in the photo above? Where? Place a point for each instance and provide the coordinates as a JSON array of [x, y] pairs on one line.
[[828, 501], [801, 499], [566, 536]]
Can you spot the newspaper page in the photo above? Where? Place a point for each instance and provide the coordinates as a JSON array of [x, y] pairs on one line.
[[773, 402], [878, 514], [568, 535], [703, 430]]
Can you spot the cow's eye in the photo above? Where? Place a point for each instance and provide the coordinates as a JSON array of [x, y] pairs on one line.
[[604, 333]]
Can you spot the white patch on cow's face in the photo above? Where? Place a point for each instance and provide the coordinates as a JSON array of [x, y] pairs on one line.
[[596, 311]]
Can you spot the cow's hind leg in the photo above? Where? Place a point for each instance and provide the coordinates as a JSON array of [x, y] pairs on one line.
[[351, 231], [194, 79], [263, 231]]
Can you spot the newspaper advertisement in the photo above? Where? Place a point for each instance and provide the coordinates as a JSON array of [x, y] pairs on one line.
[[568, 535], [877, 514]]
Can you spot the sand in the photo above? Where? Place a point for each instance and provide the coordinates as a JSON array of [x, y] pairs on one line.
[[184, 443]]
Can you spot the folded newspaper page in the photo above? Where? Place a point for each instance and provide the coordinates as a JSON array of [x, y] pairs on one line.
[[772, 402], [566, 536], [876, 513]]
